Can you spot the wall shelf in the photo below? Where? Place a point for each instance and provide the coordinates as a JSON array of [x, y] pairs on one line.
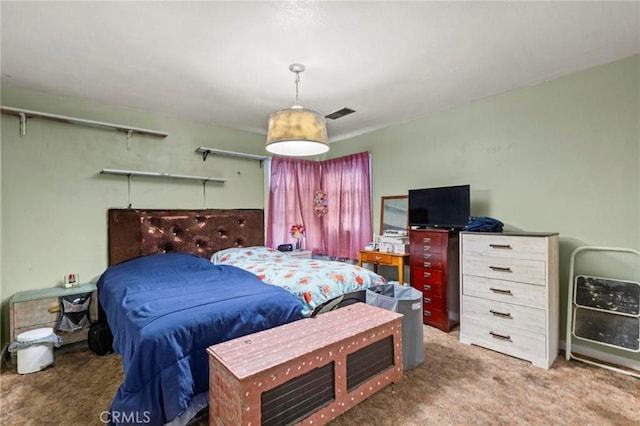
[[206, 151], [23, 114], [161, 175]]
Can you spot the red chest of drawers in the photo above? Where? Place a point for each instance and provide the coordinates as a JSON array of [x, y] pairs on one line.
[[434, 267]]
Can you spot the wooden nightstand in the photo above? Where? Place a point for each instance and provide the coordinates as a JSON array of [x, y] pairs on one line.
[[40, 308], [386, 259], [300, 254]]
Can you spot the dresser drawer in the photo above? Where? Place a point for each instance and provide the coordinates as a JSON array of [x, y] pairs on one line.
[[526, 271], [66, 336], [534, 296], [376, 257], [73, 336], [432, 302], [21, 330], [31, 313], [504, 315], [430, 239], [426, 276], [508, 340], [421, 252], [430, 290], [427, 261], [433, 315], [534, 248]]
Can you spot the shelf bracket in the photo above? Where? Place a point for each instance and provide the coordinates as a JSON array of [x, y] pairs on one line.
[[23, 124], [129, 190], [129, 139], [206, 151]]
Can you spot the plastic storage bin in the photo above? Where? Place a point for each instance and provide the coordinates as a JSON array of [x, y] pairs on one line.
[[37, 356]]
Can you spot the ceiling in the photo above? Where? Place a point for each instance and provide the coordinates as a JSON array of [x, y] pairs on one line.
[[227, 63]]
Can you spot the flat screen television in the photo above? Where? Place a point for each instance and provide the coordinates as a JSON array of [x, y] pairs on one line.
[[446, 207]]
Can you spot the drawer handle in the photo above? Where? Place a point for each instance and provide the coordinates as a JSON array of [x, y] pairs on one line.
[[500, 291], [54, 309], [427, 300], [427, 264], [427, 275], [427, 313], [427, 288], [427, 248], [378, 258], [500, 314], [500, 336], [427, 256], [500, 246], [426, 240], [500, 268]]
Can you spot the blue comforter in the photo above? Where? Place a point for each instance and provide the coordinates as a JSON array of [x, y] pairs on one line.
[[164, 311]]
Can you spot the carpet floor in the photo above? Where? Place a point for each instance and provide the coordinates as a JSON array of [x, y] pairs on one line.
[[457, 385]]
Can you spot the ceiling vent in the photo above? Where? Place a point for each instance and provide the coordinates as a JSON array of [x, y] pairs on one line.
[[340, 113]]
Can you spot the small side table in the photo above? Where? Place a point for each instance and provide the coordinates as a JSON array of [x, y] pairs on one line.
[[33, 309], [376, 258], [300, 254]]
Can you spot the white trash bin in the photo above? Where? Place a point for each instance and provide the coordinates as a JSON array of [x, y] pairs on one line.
[[37, 356]]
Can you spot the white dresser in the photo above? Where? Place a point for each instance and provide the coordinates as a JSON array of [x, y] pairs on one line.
[[509, 294]]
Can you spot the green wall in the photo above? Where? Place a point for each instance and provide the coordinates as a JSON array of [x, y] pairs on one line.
[[561, 156], [54, 201]]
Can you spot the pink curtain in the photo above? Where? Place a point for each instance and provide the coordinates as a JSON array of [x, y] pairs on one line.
[[346, 227], [293, 183]]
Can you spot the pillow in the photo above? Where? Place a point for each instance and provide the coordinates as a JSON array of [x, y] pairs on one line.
[[246, 253]]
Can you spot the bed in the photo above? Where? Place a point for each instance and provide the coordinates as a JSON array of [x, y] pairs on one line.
[[165, 303], [165, 310], [162, 321], [313, 282]]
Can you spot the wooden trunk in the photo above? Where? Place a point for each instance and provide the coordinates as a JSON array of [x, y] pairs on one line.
[[305, 372]]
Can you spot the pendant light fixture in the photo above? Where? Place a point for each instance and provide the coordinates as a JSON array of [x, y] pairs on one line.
[[297, 131]]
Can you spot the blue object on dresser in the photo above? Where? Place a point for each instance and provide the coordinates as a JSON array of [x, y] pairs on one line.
[[484, 224], [164, 311]]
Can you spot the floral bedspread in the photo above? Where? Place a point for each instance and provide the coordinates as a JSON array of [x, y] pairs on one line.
[[312, 281]]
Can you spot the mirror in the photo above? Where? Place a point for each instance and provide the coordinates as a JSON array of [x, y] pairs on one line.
[[394, 213]]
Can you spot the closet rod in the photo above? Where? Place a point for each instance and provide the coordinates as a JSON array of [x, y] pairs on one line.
[[163, 175], [25, 113]]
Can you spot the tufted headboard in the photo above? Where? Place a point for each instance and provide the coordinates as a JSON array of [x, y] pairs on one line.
[[134, 233]]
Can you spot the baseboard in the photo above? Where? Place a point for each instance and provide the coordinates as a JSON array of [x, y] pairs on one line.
[[596, 354]]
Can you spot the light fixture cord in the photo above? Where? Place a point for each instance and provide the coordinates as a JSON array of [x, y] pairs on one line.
[[297, 81]]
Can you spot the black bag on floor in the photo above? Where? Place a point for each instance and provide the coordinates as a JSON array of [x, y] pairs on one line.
[[100, 339]]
